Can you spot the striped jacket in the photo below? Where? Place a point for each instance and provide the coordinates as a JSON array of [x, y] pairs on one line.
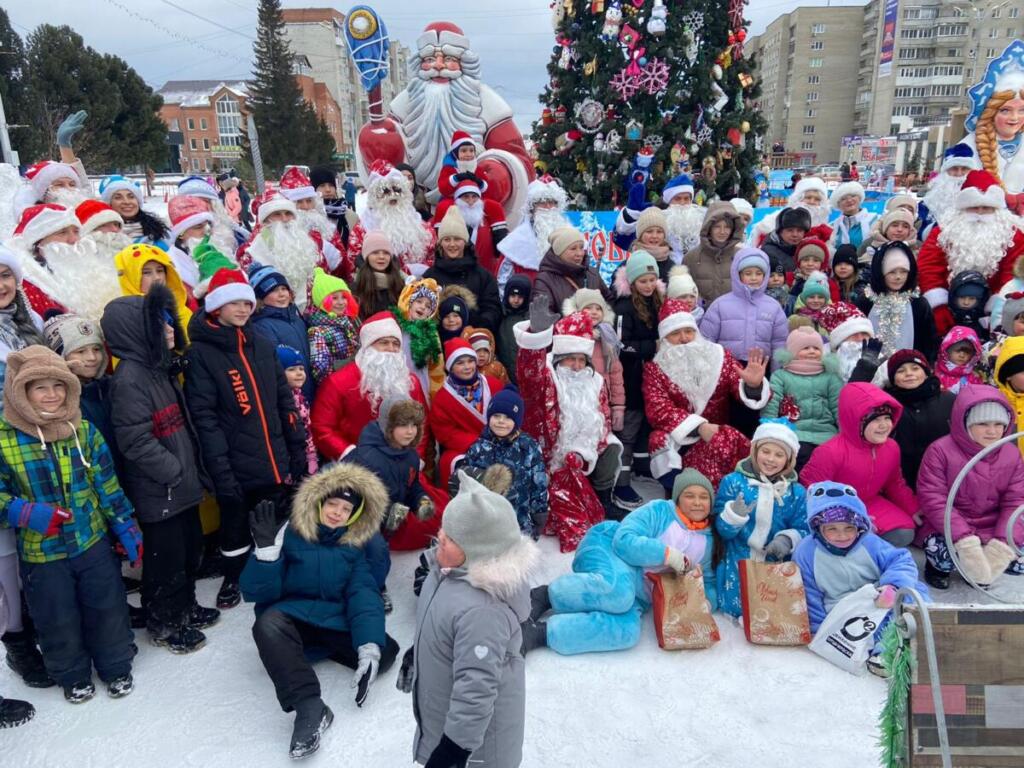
[[56, 475]]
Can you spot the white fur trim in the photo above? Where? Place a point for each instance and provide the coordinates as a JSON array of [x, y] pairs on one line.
[[454, 462], [274, 205], [349, 450], [807, 184], [764, 511], [271, 553], [97, 220], [460, 352], [298, 193], [777, 433], [729, 515], [742, 206], [431, 39], [793, 535], [847, 328], [664, 461], [49, 173], [218, 297], [671, 192], [527, 340], [379, 329], [685, 432], [188, 222], [572, 345], [937, 297], [971, 163], [676, 321], [761, 402], [845, 189], [503, 576], [969, 197]]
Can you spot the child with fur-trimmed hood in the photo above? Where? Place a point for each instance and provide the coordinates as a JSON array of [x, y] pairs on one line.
[[607, 346], [314, 593], [465, 670]]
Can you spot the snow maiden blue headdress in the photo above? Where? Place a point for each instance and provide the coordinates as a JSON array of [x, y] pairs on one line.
[[1004, 73]]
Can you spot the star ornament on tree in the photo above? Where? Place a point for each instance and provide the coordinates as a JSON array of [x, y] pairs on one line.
[[624, 85], [654, 78]]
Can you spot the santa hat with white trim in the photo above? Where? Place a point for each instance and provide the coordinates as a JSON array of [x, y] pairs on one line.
[[228, 285], [197, 186], [383, 170], [273, 201], [959, 156], [842, 320], [382, 325], [846, 189], [458, 139], [442, 36], [673, 316], [39, 221], [12, 261], [94, 214], [117, 183], [295, 185], [980, 189], [41, 175], [185, 212], [456, 348], [806, 184], [681, 183], [573, 335], [545, 188], [469, 184]]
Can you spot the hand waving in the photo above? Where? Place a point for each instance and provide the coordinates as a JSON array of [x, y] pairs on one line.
[[753, 374]]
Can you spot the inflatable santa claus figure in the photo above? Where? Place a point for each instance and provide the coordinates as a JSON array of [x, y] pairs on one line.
[[312, 216], [388, 207], [484, 218], [445, 95], [526, 245], [981, 235]]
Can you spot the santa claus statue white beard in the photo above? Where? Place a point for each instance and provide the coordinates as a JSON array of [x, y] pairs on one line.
[[978, 242], [683, 223], [546, 221], [941, 196], [692, 368], [69, 197], [471, 214], [581, 425], [315, 220], [382, 375], [402, 223], [437, 110], [287, 246], [109, 243]]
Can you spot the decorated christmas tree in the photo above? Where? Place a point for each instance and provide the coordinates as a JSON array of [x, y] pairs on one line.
[[646, 90]]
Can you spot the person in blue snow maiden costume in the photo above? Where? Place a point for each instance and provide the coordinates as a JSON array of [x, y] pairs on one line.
[[842, 555], [759, 509], [598, 607]]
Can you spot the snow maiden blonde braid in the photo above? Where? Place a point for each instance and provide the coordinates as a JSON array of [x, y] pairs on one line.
[[985, 132]]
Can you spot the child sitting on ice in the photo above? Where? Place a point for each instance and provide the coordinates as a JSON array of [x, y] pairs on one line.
[[959, 355], [482, 342], [759, 508], [984, 502], [295, 374], [333, 327], [842, 555]]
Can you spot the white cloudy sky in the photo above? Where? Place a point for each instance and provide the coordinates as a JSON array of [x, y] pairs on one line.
[[513, 36]]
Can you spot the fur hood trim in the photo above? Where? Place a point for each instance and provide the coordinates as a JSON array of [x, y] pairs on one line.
[[621, 286], [504, 576], [306, 507], [459, 291]]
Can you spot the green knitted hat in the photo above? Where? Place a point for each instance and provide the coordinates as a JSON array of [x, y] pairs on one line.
[[688, 477]]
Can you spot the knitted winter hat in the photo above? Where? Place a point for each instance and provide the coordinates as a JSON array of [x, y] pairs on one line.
[[324, 285], [877, 412], [650, 217], [893, 216], [321, 174], [479, 338], [1011, 367], [681, 283], [482, 523], [67, 333], [816, 285], [452, 225], [456, 304], [980, 189], [743, 207], [746, 258], [41, 175], [573, 335], [681, 183], [117, 183], [903, 356], [985, 412], [672, 317], [295, 185], [93, 214], [1012, 306], [811, 248], [518, 285], [845, 254], [382, 325], [420, 288], [264, 279], [584, 297], [43, 220], [829, 502], [227, 285], [12, 261], [788, 218], [274, 202], [375, 240], [906, 202], [186, 212], [894, 257], [508, 403], [969, 283], [564, 237], [688, 477], [778, 431], [846, 189], [802, 338], [197, 186], [640, 263], [210, 261], [289, 356]]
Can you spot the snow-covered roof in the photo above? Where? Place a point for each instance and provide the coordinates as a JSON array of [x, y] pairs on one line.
[[197, 93]]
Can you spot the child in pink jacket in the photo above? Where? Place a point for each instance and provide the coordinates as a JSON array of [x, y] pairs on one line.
[[607, 346], [865, 456]]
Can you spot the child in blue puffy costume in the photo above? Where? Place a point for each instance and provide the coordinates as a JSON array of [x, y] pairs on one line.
[[598, 607], [759, 509], [842, 555]]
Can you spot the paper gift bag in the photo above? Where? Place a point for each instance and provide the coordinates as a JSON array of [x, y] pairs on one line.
[[774, 603], [682, 616]]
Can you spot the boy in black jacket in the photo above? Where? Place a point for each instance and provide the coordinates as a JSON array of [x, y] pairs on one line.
[[251, 437], [161, 474]]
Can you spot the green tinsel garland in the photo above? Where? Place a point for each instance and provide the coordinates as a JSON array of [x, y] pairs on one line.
[[900, 663], [424, 341]]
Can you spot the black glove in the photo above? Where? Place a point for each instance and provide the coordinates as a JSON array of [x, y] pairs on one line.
[[404, 682], [541, 318], [263, 524], [871, 351], [454, 482], [420, 574], [448, 754]]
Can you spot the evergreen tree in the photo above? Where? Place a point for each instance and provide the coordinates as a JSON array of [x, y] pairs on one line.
[[914, 163], [289, 130], [640, 75]]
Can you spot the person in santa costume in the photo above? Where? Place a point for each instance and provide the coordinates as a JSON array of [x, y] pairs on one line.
[[940, 199], [982, 235], [526, 245], [683, 218], [458, 410], [567, 409], [103, 226], [460, 160], [809, 193], [388, 207], [312, 216], [445, 95], [225, 233], [63, 184], [349, 399], [854, 225], [688, 389], [485, 219], [851, 337]]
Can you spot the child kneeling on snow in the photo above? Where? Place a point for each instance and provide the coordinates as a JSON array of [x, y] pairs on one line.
[[315, 596], [842, 555], [759, 509]]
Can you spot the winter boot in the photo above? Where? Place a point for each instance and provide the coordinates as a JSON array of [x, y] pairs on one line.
[[79, 693], [229, 595], [14, 712], [312, 718], [202, 618], [625, 497], [540, 602], [138, 617], [535, 635], [131, 584], [178, 639], [121, 686], [388, 605], [611, 510], [935, 578], [24, 658]]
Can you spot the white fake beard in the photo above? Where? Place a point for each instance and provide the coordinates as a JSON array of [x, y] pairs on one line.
[[977, 242], [287, 246], [69, 197], [546, 221], [682, 226], [849, 354], [222, 233], [819, 213], [941, 196], [404, 228], [382, 375], [81, 277], [315, 220], [581, 424], [466, 166], [691, 368], [471, 214], [109, 243], [437, 110]]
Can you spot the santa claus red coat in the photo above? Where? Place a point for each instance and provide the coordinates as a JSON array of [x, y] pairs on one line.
[[456, 424]]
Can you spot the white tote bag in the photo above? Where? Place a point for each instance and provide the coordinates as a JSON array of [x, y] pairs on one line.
[[846, 636]]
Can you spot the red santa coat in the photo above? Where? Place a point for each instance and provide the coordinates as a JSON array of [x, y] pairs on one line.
[[487, 255], [355, 250], [456, 424], [39, 301], [933, 275], [674, 421], [340, 411]]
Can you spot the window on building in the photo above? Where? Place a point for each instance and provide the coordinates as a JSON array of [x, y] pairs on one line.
[[812, 96], [206, 144], [815, 63], [191, 124], [808, 130], [993, 32], [996, 13], [202, 124], [806, 145], [954, 53], [947, 70], [1011, 32], [952, 30], [946, 90], [813, 79], [206, 163], [192, 145], [1014, 13], [173, 125], [818, 29], [917, 34], [908, 110], [990, 53], [229, 121], [817, 45], [195, 163], [910, 53], [811, 112]]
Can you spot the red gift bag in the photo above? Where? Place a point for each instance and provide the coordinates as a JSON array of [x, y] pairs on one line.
[[774, 603], [682, 615], [573, 507]]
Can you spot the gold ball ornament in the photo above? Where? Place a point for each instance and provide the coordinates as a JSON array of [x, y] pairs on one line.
[[745, 127]]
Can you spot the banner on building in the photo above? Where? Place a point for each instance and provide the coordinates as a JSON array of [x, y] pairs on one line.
[[885, 53], [878, 150]]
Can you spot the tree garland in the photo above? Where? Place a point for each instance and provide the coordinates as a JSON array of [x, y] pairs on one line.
[[900, 664], [424, 341]]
